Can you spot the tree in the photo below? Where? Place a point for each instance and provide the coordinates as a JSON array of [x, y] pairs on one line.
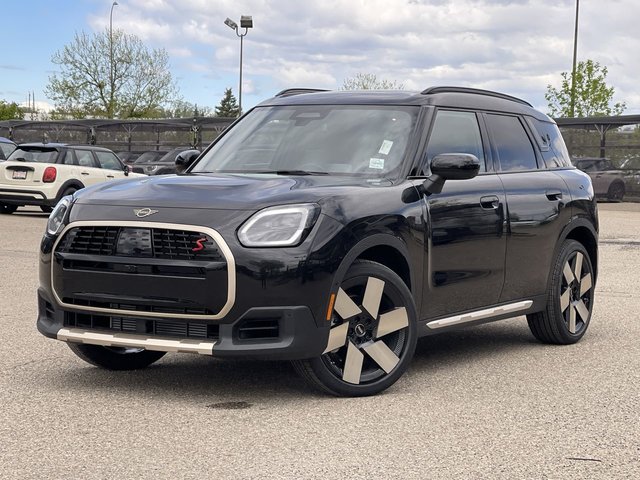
[[141, 83], [593, 98], [10, 111], [369, 81], [184, 109], [228, 105]]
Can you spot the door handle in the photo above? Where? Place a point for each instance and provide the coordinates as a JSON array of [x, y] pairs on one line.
[[84, 173], [490, 202], [110, 176], [553, 195]]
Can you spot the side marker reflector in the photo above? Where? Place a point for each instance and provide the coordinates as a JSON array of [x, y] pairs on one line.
[[332, 300]]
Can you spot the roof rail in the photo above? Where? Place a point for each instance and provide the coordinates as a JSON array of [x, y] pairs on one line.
[[289, 92], [477, 91]]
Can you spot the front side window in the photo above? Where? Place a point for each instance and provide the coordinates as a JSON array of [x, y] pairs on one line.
[[108, 161], [325, 139], [456, 132], [513, 147]]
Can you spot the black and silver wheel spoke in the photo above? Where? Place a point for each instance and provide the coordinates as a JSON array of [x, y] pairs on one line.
[[361, 329], [575, 293]]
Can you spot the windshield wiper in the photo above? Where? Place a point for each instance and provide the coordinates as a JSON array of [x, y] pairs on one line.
[[270, 172]]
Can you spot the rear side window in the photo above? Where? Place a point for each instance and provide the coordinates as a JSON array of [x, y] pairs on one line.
[[554, 150], [512, 144], [456, 132], [85, 158], [108, 161], [68, 158]]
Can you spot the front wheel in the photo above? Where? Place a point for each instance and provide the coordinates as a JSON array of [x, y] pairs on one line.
[[569, 298], [616, 192], [373, 334], [115, 358]]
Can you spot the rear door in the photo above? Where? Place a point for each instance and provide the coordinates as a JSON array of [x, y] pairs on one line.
[[27, 165], [89, 169], [536, 200], [464, 267]]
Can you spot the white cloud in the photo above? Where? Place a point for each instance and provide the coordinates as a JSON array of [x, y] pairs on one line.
[[516, 46]]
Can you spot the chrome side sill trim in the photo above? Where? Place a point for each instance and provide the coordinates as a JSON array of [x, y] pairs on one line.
[[222, 245], [160, 344], [480, 314]]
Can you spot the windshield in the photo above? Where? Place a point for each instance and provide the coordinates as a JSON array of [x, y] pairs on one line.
[[30, 154], [150, 157], [337, 139]]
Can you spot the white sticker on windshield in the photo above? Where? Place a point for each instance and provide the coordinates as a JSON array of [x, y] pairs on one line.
[[376, 163], [385, 148]]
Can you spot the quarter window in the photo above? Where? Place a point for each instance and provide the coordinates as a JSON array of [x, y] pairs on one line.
[[456, 132], [554, 150], [512, 143]]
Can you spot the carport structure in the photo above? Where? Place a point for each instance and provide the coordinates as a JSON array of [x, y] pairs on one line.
[[620, 146], [119, 135]]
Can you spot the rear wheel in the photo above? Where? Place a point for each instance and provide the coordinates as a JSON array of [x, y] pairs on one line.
[[372, 337], [115, 358], [7, 209], [616, 192], [569, 299]]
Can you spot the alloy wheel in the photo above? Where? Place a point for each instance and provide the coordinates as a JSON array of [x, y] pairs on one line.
[[576, 293]]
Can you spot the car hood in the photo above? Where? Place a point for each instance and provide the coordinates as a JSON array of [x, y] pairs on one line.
[[222, 192]]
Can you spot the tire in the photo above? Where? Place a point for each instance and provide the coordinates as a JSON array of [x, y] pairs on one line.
[[372, 338], [115, 358], [569, 299], [46, 209], [68, 191], [7, 209], [616, 192]]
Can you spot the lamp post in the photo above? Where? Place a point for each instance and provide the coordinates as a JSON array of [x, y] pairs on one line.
[[111, 60], [246, 22], [573, 71]]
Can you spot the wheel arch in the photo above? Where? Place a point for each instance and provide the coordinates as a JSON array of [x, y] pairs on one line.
[[582, 231], [387, 250], [73, 183]]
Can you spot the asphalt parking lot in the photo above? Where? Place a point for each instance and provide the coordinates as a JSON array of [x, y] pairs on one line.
[[486, 402]]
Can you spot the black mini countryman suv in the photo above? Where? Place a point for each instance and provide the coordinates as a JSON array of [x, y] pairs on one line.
[[332, 229]]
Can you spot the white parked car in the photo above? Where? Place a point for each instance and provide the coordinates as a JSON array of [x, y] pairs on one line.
[[42, 173]]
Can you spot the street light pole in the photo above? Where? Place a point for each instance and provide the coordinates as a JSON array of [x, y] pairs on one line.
[[573, 71], [246, 22], [111, 60]]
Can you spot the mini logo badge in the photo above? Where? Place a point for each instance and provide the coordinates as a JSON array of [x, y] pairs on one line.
[[199, 245], [144, 212]]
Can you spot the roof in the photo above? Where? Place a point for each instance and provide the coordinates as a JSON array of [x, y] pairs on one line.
[[455, 97], [61, 145]]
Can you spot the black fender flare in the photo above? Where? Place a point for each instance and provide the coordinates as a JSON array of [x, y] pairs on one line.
[[77, 184], [376, 240]]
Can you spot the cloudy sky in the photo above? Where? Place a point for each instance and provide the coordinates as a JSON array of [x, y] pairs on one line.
[[514, 46]]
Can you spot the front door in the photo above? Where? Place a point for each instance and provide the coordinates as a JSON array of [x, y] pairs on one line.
[[464, 264]]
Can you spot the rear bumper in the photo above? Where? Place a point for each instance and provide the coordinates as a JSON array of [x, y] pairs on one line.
[[10, 196], [273, 333]]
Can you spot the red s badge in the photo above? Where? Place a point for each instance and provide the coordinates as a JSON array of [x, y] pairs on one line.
[[200, 244]]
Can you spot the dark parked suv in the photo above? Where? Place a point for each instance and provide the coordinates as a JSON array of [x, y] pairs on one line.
[[332, 229]]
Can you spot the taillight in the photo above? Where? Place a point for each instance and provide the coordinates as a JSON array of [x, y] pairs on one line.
[[49, 175]]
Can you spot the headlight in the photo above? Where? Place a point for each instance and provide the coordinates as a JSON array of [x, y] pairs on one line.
[[58, 216], [281, 226]]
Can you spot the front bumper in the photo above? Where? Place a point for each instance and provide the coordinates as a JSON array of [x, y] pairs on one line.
[[278, 333]]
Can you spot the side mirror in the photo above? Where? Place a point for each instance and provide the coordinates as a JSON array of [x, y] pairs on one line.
[[126, 170], [450, 166], [185, 159]]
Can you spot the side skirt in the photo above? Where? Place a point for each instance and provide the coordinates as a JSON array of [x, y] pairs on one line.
[[478, 317]]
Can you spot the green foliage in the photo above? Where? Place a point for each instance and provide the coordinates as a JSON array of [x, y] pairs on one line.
[[369, 81], [10, 111], [184, 109], [593, 98], [228, 105], [139, 87]]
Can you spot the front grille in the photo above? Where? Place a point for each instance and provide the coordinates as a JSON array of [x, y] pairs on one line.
[[195, 310], [162, 328], [164, 243]]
